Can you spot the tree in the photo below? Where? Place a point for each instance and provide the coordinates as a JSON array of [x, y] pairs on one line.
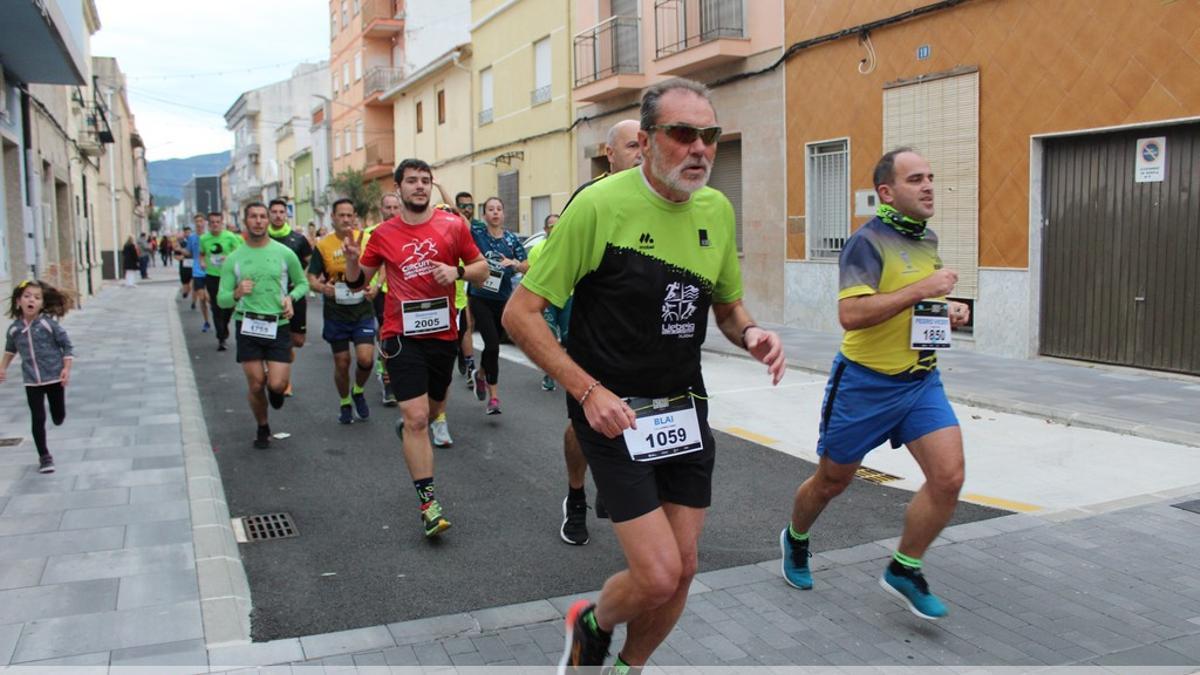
[[351, 184]]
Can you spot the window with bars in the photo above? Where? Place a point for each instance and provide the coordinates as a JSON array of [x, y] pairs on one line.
[[827, 199]]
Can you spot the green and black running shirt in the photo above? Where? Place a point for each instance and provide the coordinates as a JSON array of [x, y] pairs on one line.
[[645, 272]]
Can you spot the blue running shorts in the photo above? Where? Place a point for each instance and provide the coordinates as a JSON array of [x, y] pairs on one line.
[[864, 408]]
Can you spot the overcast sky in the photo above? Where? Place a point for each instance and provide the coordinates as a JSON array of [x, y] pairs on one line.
[[187, 62]]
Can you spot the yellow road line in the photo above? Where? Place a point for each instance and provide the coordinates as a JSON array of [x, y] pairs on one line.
[[1001, 503], [750, 436]]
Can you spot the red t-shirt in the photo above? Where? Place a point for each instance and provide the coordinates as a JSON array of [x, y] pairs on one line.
[[406, 253]]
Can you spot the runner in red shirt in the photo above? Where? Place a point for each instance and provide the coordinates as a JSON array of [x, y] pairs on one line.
[[419, 250]]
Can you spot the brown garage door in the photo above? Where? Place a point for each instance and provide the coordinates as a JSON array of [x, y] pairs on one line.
[[1121, 259]]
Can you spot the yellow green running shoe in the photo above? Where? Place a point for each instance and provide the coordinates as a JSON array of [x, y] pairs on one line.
[[433, 520]]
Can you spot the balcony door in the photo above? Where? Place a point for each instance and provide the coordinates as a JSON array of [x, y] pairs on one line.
[[625, 36]]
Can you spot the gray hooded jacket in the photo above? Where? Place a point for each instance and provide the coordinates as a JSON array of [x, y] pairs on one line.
[[43, 346]]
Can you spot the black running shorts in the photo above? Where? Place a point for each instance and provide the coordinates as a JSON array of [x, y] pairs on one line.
[[185, 275], [633, 489], [250, 348], [418, 366]]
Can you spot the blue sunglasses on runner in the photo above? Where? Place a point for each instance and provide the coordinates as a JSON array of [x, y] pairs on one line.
[[687, 134]]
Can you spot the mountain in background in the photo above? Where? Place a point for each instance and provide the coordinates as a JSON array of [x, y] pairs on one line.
[[167, 176]]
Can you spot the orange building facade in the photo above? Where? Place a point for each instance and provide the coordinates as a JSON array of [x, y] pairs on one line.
[[1033, 115], [366, 58]]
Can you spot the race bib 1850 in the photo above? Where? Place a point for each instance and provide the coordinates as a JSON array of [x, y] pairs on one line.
[[930, 325]]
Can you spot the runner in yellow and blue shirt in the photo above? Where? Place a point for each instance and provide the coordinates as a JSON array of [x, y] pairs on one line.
[[885, 385]]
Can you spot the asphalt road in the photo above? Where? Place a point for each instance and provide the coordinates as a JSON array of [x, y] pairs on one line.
[[361, 558]]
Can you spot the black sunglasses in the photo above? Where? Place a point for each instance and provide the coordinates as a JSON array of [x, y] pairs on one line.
[[687, 134], [466, 205]]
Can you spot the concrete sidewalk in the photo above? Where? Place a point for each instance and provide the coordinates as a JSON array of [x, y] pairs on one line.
[[1123, 400], [124, 558]]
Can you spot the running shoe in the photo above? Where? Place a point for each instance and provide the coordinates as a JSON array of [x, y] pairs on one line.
[[913, 591], [547, 383], [346, 414], [478, 383], [221, 346], [441, 433], [432, 519], [601, 512], [389, 396], [205, 327], [275, 399], [583, 646], [46, 463], [493, 406], [360, 406], [262, 439], [193, 304], [399, 428], [574, 525], [288, 392], [795, 561], [462, 363]]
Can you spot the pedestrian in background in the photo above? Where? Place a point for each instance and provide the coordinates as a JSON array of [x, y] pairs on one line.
[[143, 256], [129, 261], [46, 356]]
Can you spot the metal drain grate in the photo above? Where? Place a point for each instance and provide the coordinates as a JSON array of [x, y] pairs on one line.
[[261, 528], [1193, 506], [873, 476], [5, 442]]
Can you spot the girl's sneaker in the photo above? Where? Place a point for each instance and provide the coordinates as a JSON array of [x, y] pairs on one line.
[[46, 463], [493, 406]]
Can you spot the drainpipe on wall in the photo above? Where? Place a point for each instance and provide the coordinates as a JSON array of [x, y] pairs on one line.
[[112, 191]]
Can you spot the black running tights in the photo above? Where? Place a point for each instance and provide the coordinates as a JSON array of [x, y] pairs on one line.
[[37, 407], [487, 313]]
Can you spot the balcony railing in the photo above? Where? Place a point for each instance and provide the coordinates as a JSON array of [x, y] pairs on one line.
[[381, 152], [680, 24], [387, 12], [539, 95], [485, 116], [608, 48], [381, 78]]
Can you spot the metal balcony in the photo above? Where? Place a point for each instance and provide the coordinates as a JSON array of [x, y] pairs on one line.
[[380, 79], [382, 18], [539, 95], [719, 26], [609, 48]]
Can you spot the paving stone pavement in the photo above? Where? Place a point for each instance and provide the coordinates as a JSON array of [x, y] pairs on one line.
[[121, 559], [1123, 400]]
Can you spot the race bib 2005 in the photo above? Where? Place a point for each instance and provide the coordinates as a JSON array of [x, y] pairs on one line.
[[431, 315]]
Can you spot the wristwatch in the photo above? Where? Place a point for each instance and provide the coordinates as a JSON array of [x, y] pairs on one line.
[[461, 271]]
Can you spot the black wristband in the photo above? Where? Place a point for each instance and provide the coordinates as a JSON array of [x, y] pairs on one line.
[[462, 271], [744, 329]]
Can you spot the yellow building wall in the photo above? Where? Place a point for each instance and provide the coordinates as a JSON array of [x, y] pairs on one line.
[[1043, 67], [541, 132], [446, 146]]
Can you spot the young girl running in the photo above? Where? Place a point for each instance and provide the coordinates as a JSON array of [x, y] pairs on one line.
[[46, 356]]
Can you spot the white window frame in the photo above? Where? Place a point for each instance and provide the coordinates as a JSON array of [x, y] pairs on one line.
[[543, 77], [345, 76], [346, 140], [358, 65], [345, 16], [335, 83], [358, 134], [811, 235], [487, 99], [337, 145], [355, 7]]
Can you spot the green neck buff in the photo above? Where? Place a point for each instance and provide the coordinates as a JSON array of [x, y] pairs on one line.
[[899, 222], [279, 232]]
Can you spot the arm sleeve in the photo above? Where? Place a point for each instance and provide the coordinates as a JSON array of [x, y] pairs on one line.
[[296, 275], [728, 286], [63, 340], [569, 255], [316, 265], [859, 268], [228, 283]]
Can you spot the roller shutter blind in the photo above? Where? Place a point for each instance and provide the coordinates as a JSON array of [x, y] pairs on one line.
[[939, 116]]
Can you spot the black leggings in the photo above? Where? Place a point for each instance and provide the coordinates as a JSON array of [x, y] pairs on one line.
[[220, 315], [487, 315], [58, 411]]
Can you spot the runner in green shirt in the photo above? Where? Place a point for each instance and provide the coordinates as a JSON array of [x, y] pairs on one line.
[[254, 283], [215, 247]]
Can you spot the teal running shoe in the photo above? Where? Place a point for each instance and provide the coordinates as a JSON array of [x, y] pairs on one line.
[[912, 590], [795, 561]]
